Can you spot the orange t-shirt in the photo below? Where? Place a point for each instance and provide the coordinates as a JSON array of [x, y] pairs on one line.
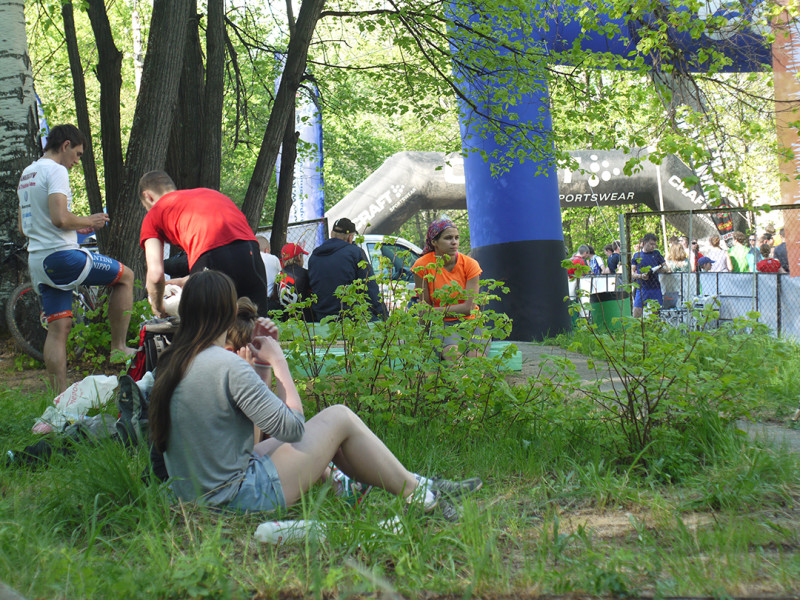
[[466, 268]]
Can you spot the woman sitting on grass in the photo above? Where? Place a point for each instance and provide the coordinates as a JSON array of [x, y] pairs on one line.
[[206, 399], [460, 273]]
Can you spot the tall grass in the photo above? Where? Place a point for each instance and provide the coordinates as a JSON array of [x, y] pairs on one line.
[[85, 525]]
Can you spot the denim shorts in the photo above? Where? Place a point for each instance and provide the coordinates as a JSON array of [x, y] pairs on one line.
[[261, 489]]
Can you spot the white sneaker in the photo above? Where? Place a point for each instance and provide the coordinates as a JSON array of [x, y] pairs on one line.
[[424, 495]]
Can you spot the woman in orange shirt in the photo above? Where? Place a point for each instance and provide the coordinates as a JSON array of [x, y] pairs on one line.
[[460, 273]]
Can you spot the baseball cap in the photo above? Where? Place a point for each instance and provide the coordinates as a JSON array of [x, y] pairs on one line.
[[344, 225], [289, 251], [704, 260]]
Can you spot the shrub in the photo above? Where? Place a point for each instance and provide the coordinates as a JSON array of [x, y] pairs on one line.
[[390, 370], [658, 384]]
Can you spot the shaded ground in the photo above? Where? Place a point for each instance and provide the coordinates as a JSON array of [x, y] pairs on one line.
[[15, 370]]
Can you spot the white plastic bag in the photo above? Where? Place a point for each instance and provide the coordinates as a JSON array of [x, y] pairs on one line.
[[172, 298], [73, 403]]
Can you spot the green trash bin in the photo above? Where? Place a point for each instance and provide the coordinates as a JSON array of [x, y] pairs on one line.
[[575, 313], [606, 306]]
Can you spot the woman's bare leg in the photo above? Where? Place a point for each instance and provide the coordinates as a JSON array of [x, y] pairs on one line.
[[267, 447], [340, 460], [301, 464]]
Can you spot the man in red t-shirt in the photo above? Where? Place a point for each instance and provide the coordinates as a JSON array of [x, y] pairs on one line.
[[209, 227], [578, 259]]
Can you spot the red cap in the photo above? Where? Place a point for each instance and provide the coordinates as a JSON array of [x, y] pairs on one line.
[[289, 251]]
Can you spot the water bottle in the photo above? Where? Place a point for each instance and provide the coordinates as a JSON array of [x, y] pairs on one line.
[[284, 532], [394, 525]]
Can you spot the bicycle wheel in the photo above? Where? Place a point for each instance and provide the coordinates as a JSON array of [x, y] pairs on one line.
[[25, 320]]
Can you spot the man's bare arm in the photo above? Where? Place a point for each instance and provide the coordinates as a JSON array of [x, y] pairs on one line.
[[154, 282], [64, 219]]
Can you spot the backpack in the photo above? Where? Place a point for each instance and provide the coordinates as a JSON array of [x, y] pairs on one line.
[[155, 336]]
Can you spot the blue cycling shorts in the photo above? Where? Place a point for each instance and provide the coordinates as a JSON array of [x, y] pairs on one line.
[[65, 268], [641, 297]]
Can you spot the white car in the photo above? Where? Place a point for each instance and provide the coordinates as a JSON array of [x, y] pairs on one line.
[[399, 252], [398, 255]]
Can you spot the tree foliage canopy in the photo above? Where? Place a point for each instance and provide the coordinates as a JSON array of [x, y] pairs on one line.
[[392, 77]]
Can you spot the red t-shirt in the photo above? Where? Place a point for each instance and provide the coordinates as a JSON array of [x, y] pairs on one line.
[[576, 260], [197, 220], [768, 265], [466, 268]]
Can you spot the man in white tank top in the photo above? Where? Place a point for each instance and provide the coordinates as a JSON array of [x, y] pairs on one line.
[[56, 262]]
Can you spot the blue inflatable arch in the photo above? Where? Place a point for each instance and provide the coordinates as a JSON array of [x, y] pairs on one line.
[[515, 219]]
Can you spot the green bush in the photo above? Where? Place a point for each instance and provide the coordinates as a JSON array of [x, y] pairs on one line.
[[660, 386], [91, 332], [390, 370]]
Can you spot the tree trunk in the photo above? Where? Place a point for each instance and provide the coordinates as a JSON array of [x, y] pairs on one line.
[[281, 110], [109, 74], [19, 141], [186, 143], [82, 112], [215, 86], [152, 121]]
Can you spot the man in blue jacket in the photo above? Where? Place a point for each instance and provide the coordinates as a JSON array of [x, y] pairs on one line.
[[338, 262]]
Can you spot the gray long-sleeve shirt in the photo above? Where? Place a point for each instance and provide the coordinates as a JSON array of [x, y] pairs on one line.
[[212, 413]]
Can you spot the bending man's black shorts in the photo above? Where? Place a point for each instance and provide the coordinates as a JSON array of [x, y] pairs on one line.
[[241, 261]]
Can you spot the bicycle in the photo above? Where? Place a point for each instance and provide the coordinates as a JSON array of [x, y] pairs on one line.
[[25, 315]]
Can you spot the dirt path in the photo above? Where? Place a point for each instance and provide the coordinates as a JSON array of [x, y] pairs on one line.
[[14, 375]]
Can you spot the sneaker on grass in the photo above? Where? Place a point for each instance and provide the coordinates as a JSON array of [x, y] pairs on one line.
[[449, 511], [424, 495], [456, 489], [351, 491]]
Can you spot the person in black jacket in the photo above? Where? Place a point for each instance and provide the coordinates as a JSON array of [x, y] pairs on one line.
[[337, 262], [782, 254]]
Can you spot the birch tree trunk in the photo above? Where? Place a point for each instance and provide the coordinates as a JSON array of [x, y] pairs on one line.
[[19, 145]]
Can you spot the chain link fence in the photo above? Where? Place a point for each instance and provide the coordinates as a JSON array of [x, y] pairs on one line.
[[736, 261], [308, 234]]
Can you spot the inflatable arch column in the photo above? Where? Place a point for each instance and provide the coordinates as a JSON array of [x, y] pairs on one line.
[[515, 217], [515, 220]]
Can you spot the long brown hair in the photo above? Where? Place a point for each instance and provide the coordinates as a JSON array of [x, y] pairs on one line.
[[241, 332], [207, 310]]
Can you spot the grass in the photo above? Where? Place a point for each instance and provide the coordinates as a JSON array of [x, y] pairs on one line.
[[558, 514]]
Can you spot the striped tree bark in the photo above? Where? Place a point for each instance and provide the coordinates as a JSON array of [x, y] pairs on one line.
[[19, 127]]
